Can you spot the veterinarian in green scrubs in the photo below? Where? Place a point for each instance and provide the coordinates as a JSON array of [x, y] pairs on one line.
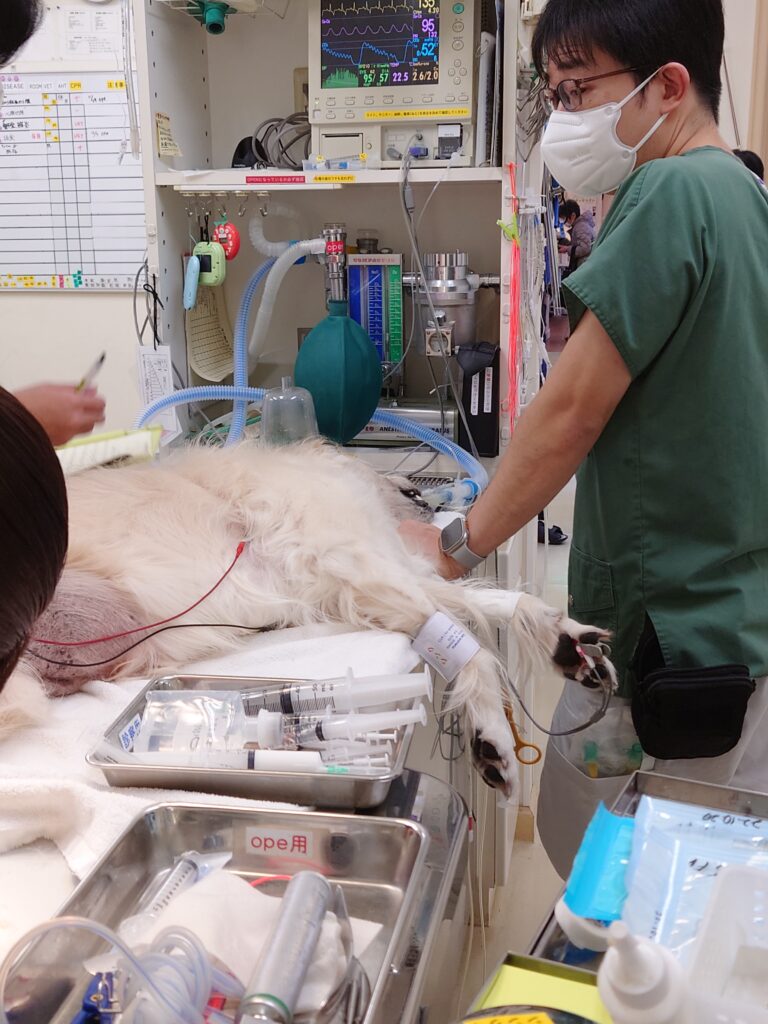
[[661, 397]]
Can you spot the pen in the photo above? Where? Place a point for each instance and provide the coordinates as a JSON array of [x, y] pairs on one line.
[[90, 376]]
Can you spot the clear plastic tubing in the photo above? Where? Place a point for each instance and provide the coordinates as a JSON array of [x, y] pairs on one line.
[[227, 393], [349, 693], [179, 984], [240, 409], [281, 266], [256, 232]]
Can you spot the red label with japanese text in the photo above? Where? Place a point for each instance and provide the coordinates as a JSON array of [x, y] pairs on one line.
[[287, 842], [275, 179]]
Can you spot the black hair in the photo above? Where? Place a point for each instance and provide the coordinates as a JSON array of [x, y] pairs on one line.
[[641, 34], [33, 527], [752, 161], [19, 20], [569, 207]]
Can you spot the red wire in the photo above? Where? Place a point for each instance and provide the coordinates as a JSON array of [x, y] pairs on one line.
[[140, 629], [269, 878], [515, 300]]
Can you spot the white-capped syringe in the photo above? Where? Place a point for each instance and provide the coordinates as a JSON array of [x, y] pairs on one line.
[[273, 731], [349, 727], [348, 693]]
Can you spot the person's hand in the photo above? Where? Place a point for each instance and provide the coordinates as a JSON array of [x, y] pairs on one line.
[[62, 411], [423, 539]]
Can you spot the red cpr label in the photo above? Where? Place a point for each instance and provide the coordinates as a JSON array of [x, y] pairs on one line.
[[334, 248]]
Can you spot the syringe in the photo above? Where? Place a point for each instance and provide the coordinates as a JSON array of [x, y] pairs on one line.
[[348, 693], [349, 727]]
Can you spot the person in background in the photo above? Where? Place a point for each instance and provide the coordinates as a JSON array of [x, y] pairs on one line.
[[570, 212], [752, 161], [662, 379], [62, 410], [582, 238]]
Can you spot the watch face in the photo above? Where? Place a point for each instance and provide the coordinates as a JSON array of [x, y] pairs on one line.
[[452, 535]]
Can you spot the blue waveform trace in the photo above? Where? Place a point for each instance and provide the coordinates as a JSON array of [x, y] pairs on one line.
[[414, 46]]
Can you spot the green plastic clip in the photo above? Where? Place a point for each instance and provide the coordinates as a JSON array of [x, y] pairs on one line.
[[510, 231]]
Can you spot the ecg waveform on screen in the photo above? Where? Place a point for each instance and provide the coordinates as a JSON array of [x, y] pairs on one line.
[[342, 9], [375, 43]]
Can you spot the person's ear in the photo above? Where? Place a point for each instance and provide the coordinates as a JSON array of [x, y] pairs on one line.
[[674, 83]]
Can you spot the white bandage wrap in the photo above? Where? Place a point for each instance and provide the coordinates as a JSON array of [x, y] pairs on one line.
[[445, 645]]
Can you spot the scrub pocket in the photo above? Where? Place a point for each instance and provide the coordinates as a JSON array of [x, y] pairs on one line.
[[568, 800], [590, 587]]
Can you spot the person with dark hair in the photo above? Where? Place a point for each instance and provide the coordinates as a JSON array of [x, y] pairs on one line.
[[33, 527], [63, 410], [570, 212], [752, 161], [662, 380]]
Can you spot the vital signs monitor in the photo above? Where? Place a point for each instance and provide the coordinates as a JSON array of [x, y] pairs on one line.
[[382, 71]]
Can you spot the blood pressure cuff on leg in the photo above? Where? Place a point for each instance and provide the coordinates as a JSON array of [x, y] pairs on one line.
[[689, 713]]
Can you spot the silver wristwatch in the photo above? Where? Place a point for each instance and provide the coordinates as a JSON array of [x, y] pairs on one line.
[[454, 542]]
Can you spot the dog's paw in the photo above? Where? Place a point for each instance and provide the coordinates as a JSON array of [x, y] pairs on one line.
[[583, 654], [493, 754]]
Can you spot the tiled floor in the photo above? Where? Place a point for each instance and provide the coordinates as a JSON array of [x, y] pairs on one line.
[[523, 904]]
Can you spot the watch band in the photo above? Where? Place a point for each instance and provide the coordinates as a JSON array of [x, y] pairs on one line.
[[466, 557], [461, 552]]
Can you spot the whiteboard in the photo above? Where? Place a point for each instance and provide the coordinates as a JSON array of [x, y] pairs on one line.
[[72, 212]]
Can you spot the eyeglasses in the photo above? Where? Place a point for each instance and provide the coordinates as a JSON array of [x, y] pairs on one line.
[[569, 93]]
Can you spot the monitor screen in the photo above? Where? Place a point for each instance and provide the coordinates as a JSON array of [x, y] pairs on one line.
[[379, 43]]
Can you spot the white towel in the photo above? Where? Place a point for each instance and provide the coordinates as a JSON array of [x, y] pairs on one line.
[[48, 792]]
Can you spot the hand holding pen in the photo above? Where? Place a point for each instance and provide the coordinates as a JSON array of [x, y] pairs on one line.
[[65, 411]]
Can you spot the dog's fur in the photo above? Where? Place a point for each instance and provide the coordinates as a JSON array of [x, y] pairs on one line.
[[322, 546]]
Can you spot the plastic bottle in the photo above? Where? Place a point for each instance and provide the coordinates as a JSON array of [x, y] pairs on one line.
[[640, 982], [348, 693], [287, 415]]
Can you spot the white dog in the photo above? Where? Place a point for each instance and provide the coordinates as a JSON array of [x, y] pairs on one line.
[[322, 545]]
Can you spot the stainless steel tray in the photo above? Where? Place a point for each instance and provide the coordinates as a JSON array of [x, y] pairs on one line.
[[395, 872], [339, 792]]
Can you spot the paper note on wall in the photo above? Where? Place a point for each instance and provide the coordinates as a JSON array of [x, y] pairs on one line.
[[156, 382]]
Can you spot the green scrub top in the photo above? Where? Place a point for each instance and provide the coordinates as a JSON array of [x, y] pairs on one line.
[[671, 513]]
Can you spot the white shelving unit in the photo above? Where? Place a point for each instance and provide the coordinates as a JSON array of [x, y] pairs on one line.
[[239, 180], [215, 90]]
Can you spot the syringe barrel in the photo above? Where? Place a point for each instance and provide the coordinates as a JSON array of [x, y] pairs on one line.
[[349, 726], [348, 693], [275, 986]]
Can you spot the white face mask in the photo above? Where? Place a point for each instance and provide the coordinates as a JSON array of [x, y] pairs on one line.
[[583, 151]]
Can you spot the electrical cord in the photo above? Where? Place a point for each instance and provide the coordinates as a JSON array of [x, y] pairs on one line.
[[150, 636], [598, 716], [274, 139]]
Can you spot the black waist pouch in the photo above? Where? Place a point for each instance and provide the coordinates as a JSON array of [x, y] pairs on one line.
[[687, 713]]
